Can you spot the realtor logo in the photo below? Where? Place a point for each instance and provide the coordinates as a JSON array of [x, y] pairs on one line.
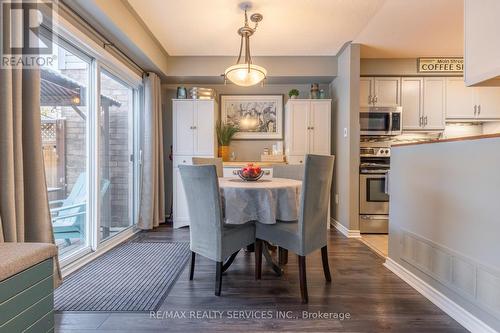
[[22, 39]]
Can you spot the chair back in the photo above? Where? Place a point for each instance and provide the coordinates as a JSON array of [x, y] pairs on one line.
[[289, 171], [201, 186], [210, 161], [314, 201]]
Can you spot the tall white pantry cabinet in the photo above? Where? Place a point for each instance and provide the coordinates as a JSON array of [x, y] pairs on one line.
[[193, 136], [307, 128]]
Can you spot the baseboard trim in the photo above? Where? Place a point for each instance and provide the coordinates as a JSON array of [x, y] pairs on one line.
[[349, 233], [454, 310]]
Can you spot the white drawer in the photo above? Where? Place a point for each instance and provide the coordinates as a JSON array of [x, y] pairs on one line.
[[231, 172], [182, 160], [295, 159]]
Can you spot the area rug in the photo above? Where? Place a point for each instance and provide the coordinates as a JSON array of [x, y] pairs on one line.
[[134, 276]]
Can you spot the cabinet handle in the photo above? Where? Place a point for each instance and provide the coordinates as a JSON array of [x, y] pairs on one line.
[[300, 162], [312, 127], [479, 109], [425, 122], [370, 99], [375, 99], [194, 127], [475, 109]]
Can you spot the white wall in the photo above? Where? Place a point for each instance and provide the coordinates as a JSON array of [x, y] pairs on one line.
[[345, 94], [444, 220]]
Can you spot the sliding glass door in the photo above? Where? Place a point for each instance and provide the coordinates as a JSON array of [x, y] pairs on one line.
[[115, 152], [88, 104], [64, 122]]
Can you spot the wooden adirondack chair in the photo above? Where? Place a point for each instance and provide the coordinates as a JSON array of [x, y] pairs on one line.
[[68, 218]]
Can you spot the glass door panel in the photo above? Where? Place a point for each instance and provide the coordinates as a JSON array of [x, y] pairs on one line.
[[115, 149], [63, 114]]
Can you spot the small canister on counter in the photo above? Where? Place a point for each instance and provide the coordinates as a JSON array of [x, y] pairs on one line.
[[181, 93]]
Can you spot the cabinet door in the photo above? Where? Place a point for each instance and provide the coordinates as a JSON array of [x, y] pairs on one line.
[[180, 207], [488, 100], [365, 91], [459, 99], [319, 118], [434, 92], [204, 133], [297, 127], [183, 132], [411, 100], [387, 91]]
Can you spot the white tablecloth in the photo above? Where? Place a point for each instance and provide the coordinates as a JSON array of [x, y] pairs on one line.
[[264, 201]]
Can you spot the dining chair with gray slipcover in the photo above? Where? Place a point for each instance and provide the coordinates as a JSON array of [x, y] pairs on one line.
[[209, 235], [309, 233], [210, 161], [288, 171]]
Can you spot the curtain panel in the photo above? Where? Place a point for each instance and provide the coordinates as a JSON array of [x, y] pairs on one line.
[[24, 208], [152, 204]]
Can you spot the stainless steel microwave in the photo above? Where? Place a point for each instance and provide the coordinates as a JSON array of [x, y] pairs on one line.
[[381, 120]]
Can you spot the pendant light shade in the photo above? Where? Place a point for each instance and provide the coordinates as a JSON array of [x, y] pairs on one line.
[[245, 73]]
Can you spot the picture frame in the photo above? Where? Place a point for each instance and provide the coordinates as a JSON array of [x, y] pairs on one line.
[[258, 117]]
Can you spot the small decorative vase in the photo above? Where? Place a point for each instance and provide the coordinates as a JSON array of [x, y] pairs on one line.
[[322, 94], [181, 93], [224, 153]]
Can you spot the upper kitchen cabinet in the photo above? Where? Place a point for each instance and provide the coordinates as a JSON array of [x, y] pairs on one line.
[[482, 50], [379, 91], [423, 101], [411, 101], [471, 103], [194, 127], [433, 104], [307, 128]]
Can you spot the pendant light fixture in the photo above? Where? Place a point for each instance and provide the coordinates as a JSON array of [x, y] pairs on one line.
[[245, 73]]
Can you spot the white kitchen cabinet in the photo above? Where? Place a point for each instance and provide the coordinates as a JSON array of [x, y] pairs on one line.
[[307, 128], [379, 91], [488, 102], [193, 135], [433, 104], [365, 91], [423, 102], [481, 47], [459, 99], [471, 103], [411, 101], [386, 91]]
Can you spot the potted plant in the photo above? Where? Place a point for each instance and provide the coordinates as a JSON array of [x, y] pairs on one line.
[[225, 133], [293, 94]]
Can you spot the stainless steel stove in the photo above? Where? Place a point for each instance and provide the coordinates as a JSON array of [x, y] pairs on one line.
[[373, 191]]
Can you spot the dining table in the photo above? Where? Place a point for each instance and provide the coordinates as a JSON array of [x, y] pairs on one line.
[[268, 201]]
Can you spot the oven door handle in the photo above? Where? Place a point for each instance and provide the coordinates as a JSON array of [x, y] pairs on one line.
[[386, 187]]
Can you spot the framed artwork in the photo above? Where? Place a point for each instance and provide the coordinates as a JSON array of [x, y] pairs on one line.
[[256, 116]]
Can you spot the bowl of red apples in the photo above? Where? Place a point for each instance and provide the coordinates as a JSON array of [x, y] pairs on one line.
[[250, 173]]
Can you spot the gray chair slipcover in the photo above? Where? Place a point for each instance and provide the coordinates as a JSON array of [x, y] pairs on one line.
[[210, 161], [309, 232], [209, 236], [289, 171]]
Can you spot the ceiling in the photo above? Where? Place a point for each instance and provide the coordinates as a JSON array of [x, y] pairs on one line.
[[386, 28]]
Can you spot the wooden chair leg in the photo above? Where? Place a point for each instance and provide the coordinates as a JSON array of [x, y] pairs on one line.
[[218, 278], [191, 271], [326, 266], [282, 256], [303, 279], [258, 259]]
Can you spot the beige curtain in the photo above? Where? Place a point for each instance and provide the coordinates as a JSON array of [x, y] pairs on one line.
[[24, 207], [152, 206]]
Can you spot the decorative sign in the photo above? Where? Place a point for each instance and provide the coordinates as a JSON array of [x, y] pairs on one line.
[[440, 65]]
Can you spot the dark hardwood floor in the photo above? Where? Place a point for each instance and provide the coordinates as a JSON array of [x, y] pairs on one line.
[[375, 299]]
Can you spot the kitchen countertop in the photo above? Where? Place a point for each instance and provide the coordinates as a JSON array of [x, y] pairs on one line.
[[465, 138], [241, 164]]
